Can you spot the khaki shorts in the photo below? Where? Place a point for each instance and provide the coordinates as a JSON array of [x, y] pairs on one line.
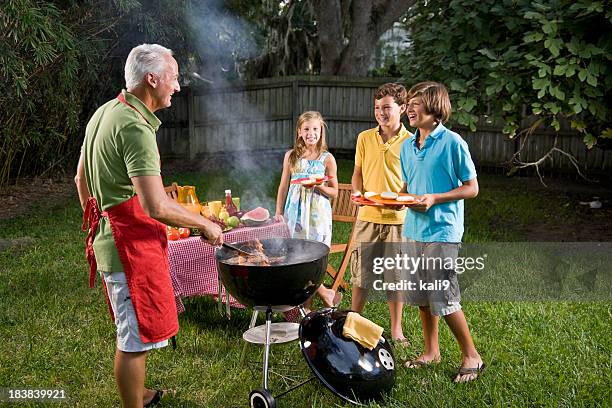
[[442, 300], [367, 232]]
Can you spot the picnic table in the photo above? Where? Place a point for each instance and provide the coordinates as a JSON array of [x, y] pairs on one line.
[[193, 267]]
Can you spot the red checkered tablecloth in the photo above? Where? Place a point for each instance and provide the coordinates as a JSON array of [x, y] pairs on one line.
[[193, 268]]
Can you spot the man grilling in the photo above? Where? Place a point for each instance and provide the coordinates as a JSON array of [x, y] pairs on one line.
[[121, 191]]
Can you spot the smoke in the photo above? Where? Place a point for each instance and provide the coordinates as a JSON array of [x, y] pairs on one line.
[[222, 39], [228, 120]]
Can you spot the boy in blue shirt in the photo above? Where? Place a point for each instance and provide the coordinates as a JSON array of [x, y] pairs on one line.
[[438, 169]]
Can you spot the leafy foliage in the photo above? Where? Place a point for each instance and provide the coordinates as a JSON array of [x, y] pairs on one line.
[[50, 66], [547, 59], [39, 61], [59, 61]]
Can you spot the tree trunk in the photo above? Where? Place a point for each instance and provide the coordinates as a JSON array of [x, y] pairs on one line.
[[350, 53], [329, 22]]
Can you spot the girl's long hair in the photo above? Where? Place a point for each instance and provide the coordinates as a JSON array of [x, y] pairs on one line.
[[299, 145]]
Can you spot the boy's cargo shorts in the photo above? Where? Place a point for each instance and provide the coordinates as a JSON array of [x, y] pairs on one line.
[[435, 280], [369, 232], [128, 337]]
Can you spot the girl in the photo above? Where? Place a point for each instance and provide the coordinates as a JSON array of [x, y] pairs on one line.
[[307, 210]]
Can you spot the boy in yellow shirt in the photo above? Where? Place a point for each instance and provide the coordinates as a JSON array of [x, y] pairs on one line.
[[378, 169]]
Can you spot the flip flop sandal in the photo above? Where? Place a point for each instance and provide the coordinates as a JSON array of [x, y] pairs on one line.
[[472, 370], [417, 364], [156, 398]]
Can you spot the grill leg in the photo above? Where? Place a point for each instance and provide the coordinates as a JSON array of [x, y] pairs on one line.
[[267, 347], [246, 344], [302, 311], [253, 319]]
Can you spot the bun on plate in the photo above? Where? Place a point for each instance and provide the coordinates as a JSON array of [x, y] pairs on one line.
[[388, 195], [369, 194], [405, 198], [317, 177]]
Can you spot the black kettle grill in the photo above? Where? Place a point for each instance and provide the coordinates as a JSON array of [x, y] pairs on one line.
[[349, 370]]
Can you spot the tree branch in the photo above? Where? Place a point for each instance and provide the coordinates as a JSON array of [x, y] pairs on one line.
[[394, 9], [517, 163]]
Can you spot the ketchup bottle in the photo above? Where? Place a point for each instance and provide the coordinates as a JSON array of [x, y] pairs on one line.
[[229, 203]]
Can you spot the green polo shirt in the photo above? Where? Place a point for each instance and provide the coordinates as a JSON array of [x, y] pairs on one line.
[[119, 143]]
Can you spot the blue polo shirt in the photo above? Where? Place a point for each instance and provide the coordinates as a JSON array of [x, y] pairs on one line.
[[442, 165]]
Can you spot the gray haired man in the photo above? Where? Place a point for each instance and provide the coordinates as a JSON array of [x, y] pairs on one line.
[[121, 191]]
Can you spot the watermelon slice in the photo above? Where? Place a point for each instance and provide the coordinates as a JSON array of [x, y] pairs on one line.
[[255, 217]]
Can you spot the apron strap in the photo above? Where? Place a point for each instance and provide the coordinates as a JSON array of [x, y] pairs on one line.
[[91, 221], [122, 99]]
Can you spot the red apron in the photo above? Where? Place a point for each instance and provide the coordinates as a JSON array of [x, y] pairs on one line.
[[143, 250], [142, 245]]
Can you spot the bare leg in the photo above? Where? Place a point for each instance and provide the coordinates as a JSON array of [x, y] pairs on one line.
[[429, 323], [469, 356], [327, 295], [395, 311], [359, 296], [130, 376]]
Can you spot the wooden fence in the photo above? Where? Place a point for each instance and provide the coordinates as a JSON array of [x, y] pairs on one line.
[[261, 115]]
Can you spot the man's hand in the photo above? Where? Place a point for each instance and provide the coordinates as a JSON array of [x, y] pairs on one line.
[[423, 203], [213, 233]]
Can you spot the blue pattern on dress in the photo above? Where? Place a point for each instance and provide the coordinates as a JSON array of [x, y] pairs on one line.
[[307, 211]]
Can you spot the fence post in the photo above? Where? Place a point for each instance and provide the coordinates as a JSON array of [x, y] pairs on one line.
[[191, 146]]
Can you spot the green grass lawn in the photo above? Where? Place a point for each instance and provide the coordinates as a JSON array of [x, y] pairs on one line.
[[57, 334]]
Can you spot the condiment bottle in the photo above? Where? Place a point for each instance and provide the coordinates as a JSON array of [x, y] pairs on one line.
[[229, 203]]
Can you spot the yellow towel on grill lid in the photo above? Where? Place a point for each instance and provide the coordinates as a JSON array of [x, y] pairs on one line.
[[362, 330]]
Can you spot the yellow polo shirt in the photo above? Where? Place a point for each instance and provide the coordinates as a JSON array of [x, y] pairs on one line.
[[381, 171]]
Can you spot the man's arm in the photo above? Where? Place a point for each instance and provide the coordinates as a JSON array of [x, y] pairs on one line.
[[469, 189], [156, 204], [81, 182]]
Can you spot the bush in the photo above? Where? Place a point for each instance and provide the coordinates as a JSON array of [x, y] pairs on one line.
[[500, 57]]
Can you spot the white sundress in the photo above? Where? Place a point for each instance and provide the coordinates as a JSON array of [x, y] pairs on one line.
[[307, 211]]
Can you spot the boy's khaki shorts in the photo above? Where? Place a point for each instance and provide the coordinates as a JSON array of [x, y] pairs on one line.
[[366, 232], [441, 301]]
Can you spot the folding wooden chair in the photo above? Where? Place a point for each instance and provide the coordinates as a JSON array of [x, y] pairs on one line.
[[343, 210], [172, 191]]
